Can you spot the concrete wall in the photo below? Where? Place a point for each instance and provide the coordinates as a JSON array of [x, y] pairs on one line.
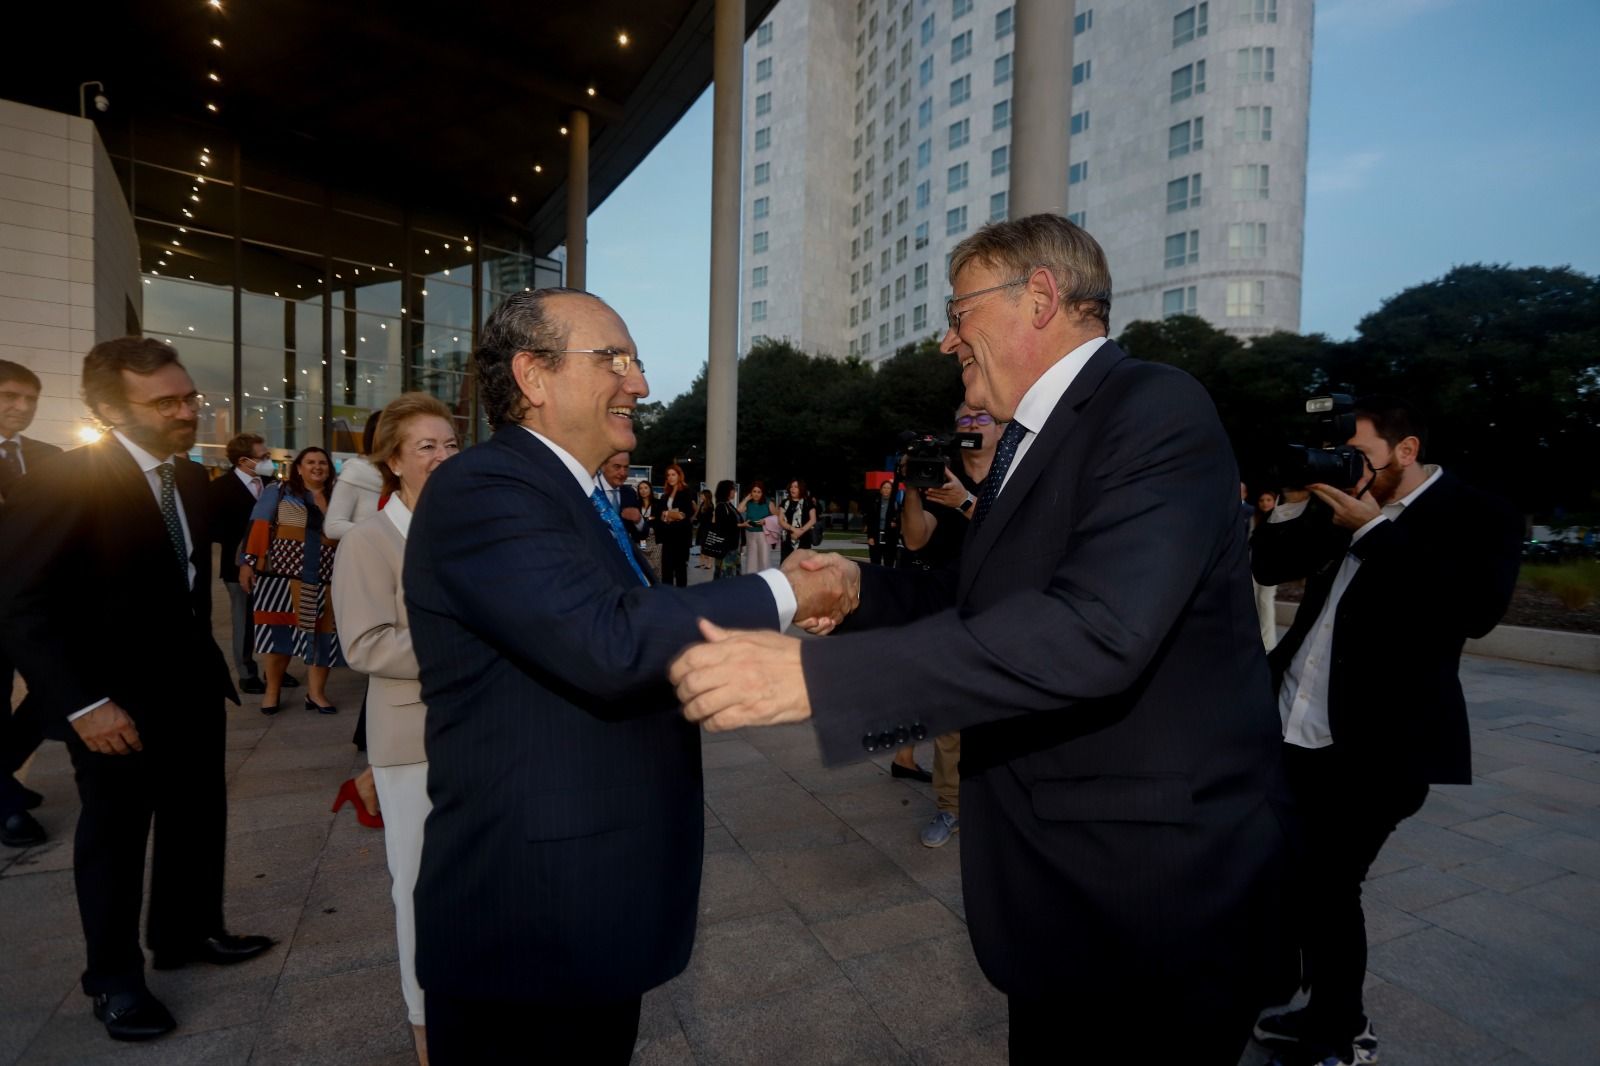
[[69, 260]]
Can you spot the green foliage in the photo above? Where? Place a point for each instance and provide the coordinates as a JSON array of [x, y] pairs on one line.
[[1575, 584]]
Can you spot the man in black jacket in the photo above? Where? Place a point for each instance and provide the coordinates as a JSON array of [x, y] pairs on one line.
[[1399, 572], [105, 605], [233, 497]]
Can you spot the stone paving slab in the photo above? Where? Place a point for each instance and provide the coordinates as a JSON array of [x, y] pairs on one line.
[[827, 933]]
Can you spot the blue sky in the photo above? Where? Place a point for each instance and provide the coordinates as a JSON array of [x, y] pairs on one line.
[[1442, 132]]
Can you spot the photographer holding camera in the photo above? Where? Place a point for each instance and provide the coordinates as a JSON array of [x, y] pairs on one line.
[[1403, 563], [933, 525]]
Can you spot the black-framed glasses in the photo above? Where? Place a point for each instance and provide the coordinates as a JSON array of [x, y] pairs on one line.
[[981, 419], [167, 406], [953, 317], [621, 361]]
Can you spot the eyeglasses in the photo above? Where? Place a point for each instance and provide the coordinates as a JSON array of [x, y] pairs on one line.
[[167, 406], [968, 421], [953, 317], [621, 361]]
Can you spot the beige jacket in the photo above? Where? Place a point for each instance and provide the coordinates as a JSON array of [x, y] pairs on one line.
[[370, 603]]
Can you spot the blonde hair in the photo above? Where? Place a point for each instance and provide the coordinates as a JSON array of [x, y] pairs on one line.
[[1020, 246], [397, 414]]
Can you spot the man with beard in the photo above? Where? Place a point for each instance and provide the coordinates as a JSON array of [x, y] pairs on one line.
[[113, 544]]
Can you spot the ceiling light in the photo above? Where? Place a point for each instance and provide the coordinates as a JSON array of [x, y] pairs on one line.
[[563, 131], [175, 244], [214, 76], [200, 179], [195, 198], [591, 90], [622, 39], [537, 169], [216, 42], [211, 108], [469, 247], [216, 4], [513, 197]]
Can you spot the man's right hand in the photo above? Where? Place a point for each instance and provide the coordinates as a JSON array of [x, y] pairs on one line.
[[108, 730], [827, 586], [247, 579], [630, 514]]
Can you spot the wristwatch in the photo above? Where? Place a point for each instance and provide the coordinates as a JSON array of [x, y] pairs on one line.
[[966, 505]]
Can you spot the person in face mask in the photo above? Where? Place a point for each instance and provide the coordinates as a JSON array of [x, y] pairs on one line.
[[233, 496]]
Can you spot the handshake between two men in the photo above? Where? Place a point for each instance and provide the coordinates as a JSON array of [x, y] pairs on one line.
[[744, 677]]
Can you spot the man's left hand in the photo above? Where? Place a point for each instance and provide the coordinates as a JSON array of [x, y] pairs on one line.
[[741, 677], [1349, 512]]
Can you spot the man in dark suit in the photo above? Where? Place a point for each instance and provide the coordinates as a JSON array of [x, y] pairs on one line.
[[561, 860], [233, 497], [881, 517], [1097, 649], [19, 733], [105, 605], [1400, 570]]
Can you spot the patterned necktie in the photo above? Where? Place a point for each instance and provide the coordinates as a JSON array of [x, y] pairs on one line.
[[169, 515], [1004, 452], [618, 534], [10, 463]]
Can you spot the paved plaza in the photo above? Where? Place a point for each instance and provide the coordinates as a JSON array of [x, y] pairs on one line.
[[828, 934]]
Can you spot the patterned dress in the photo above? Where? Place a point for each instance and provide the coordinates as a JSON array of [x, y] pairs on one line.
[[293, 613]]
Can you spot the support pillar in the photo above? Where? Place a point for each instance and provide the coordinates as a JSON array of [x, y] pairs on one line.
[[1041, 105], [578, 200], [727, 132]]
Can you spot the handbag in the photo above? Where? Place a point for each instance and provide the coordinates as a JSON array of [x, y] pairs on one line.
[[717, 545]]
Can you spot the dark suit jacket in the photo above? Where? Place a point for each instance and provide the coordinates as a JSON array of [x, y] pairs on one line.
[[1097, 649], [675, 534], [92, 603], [561, 861], [1440, 573], [34, 452], [869, 516], [231, 504]]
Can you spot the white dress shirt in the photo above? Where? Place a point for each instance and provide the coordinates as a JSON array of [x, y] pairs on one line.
[[1303, 697], [1037, 404], [251, 482], [782, 594]]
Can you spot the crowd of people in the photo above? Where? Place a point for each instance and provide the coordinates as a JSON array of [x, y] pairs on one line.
[[1156, 810]]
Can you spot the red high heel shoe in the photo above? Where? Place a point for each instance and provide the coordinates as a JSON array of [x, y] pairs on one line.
[[348, 794]]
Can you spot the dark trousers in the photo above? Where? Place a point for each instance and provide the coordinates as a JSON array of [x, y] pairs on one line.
[[19, 737], [1202, 1024], [675, 562], [466, 1032], [177, 782], [1347, 811], [883, 552]]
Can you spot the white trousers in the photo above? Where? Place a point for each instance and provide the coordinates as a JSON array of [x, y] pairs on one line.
[[403, 795], [1267, 612], [757, 556]]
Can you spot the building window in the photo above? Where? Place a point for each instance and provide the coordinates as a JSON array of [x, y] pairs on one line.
[[855, 319], [927, 29], [1002, 69], [959, 8], [1252, 124], [764, 33], [902, 171], [955, 221], [866, 279], [884, 227], [872, 61], [1000, 160], [1080, 72], [900, 288], [758, 242], [1247, 299], [956, 178], [924, 113], [919, 276], [1250, 181], [763, 173], [919, 317], [960, 46], [925, 72], [1183, 193], [1258, 10], [1188, 80], [855, 282], [883, 335], [763, 103], [901, 209], [1186, 137], [905, 53], [1078, 218], [960, 90], [1178, 302], [900, 250], [1255, 65], [1077, 172], [924, 154], [764, 137], [1002, 114], [855, 247], [1189, 24], [1082, 22], [1183, 249], [758, 311], [884, 262], [883, 298], [921, 235], [762, 205], [1247, 240], [997, 207], [1004, 22], [1080, 122], [960, 132], [899, 326], [924, 194], [763, 69]]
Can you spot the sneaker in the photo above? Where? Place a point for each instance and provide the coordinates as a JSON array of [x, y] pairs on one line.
[[1290, 1028], [937, 833]]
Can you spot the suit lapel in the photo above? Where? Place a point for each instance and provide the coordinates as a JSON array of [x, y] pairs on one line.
[[1047, 444]]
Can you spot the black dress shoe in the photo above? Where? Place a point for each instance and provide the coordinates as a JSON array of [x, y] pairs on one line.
[[320, 708], [916, 773], [290, 681], [253, 686], [21, 830], [133, 1015], [224, 949]]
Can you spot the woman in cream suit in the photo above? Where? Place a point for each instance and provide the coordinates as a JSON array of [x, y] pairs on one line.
[[414, 436]]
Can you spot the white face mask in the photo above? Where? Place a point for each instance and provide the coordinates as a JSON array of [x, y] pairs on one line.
[[265, 468]]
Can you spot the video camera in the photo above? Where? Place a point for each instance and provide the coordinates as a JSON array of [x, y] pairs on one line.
[[1333, 462], [926, 455]]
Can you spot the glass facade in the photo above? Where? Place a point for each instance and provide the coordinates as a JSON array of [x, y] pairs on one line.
[[300, 309]]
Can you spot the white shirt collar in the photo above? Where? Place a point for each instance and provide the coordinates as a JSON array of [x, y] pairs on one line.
[[146, 461], [1036, 405], [584, 478], [248, 479], [399, 514], [1411, 497], [17, 440]]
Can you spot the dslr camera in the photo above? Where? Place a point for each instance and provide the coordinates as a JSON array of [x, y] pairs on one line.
[[925, 455], [1332, 462]]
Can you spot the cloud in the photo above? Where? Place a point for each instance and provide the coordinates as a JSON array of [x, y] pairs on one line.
[[1345, 174], [1365, 15]]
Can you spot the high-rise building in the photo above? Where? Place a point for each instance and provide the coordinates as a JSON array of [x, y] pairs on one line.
[[879, 137]]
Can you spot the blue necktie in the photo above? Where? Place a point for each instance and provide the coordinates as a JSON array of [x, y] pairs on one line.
[[618, 534], [1004, 453]]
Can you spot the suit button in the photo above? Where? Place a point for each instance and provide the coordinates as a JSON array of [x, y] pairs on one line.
[[919, 731], [869, 742]]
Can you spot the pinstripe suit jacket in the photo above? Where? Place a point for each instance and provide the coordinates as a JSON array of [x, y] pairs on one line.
[[1098, 650], [561, 861]]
